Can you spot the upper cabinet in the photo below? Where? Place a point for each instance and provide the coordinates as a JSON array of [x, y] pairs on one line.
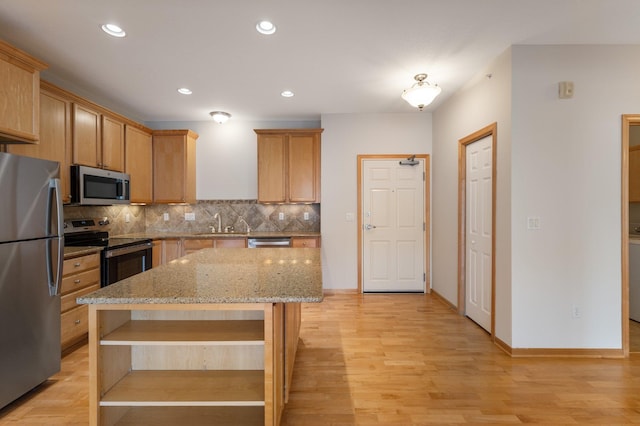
[[634, 174], [288, 165], [55, 134], [139, 164], [98, 139], [174, 166], [19, 95]]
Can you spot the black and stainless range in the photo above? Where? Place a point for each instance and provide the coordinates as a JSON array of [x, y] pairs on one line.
[[120, 257]]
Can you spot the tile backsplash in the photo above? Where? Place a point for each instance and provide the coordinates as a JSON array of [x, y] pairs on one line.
[[261, 217]]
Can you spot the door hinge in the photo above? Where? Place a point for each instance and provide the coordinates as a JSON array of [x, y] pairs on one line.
[[424, 277], [424, 176]]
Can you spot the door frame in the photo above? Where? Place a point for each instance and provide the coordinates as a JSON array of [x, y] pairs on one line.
[[490, 130], [628, 120], [427, 212]]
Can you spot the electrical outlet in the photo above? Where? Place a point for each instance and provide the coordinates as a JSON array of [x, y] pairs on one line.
[[127, 217], [533, 223], [189, 216], [305, 215], [165, 216], [576, 312], [280, 216]]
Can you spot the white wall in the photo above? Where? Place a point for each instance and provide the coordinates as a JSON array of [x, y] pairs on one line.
[[480, 103], [566, 166], [345, 137], [226, 155]]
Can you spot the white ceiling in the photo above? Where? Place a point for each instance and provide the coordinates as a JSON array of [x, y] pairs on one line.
[[346, 56]]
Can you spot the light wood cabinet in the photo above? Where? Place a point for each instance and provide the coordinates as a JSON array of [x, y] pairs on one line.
[[112, 149], [98, 140], [288, 165], [174, 166], [166, 250], [305, 242], [187, 364], [139, 164], [55, 135], [191, 245], [19, 95], [634, 174], [80, 276]]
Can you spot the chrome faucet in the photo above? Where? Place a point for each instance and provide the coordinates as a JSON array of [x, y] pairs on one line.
[[245, 222], [217, 216]]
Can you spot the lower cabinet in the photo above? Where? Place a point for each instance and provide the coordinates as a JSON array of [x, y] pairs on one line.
[[80, 276], [187, 364], [305, 242], [166, 250]]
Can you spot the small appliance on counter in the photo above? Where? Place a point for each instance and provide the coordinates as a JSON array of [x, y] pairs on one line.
[[120, 258], [31, 257]]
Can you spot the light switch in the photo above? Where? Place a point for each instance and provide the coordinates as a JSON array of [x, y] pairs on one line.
[[281, 216], [349, 217], [190, 216], [533, 223]]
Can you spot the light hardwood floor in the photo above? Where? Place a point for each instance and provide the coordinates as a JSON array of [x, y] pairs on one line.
[[401, 360]]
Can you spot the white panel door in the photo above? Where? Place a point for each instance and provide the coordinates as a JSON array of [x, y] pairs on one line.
[[393, 207], [478, 232]]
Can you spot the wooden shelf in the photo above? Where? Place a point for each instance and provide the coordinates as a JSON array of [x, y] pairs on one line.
[[192, 416], [166, 333], [186, 388]]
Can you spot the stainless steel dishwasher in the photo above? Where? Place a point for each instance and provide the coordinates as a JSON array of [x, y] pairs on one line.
[[269, 242]]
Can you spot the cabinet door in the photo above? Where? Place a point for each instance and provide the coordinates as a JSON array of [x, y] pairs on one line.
[[139, 164], [634, 174], [193, 245], [305, 242], [174, 166], [271, 168], [19, 94], [55, 137], [112, 144], [171, 250], [86, 136], [230, 242], [304, 159], [156, 253]]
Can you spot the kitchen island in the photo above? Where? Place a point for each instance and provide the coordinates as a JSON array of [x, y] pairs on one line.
[[209, 338]]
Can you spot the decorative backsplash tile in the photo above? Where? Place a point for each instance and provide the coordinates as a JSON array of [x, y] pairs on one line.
[[260, 217]]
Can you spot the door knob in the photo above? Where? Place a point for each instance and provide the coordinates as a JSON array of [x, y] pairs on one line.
[[369, 227]]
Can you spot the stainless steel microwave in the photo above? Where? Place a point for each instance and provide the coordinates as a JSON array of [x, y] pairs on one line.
[[92, 186]]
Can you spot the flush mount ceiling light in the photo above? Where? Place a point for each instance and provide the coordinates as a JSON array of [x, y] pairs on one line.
[[266, 27], [113, 30], [220, 116], [421, 93], [287, 94], [184, 91]]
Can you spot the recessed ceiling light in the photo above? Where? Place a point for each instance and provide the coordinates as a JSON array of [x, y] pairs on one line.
[[113, 30], [266, 27], [184, 91], [287, 94]]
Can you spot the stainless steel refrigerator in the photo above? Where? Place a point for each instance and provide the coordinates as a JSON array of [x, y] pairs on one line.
[[31, 256]]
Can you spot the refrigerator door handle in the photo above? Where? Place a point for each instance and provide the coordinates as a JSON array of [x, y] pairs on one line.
[[55, 276]]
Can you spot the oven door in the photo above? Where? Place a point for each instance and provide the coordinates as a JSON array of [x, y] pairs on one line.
[[121, 263]]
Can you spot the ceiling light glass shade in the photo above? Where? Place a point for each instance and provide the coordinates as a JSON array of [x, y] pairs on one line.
[[287, 94], [220, 116], [113, 30], [266, 27], [184, 91], [421, 93]]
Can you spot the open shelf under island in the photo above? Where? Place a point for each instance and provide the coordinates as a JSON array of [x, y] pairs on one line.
[[209, 338]]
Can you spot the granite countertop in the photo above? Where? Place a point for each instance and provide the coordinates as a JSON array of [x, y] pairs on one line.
[[71, 252], [226, 275], [252, 234]]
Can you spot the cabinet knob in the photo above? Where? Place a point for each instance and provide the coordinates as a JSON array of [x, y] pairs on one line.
[[77, 322], [77, 264], [76, 281]]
